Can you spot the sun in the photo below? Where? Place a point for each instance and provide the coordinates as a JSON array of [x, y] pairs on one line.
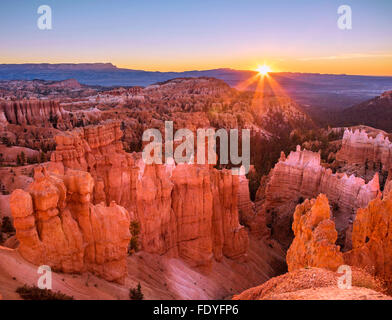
[[264, 69]]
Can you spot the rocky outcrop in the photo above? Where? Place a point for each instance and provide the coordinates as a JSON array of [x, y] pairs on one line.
[[301, 176], [34, 112], [187, 210], [359, 148], [372, 239], [98, 150], [57, 225], [43, 113], [316, 284], [248, 211], [315, 237], [365, 155]]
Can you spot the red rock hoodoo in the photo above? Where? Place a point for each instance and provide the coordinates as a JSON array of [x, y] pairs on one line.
[[57, 225], [315, 237], [185, 210], [372, 239]]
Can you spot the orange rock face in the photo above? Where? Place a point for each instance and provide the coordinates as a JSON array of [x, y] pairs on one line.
[[359, 148], [315, 237], [372, 239], [248, 211], [34, 112], [188, 211], [301, 176], [57, 225]]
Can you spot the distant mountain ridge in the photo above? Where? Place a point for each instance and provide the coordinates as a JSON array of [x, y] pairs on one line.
[[58, 66], [312, 90], [376, 113]]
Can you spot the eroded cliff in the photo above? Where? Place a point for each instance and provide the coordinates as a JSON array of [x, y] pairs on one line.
[[302, 176], [57, 225], [186, 210]]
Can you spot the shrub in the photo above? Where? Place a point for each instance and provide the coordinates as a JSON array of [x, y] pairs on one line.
[[136, 293], [134, 229], [6, 225], [335, 207], [35, 293], [300, 200]]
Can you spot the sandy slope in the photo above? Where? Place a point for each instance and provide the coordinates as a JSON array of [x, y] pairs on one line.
[[316, 284], [160, 277]]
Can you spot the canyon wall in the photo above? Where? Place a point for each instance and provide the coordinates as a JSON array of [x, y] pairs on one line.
[[301, 176], [42, 113], [33, 112], [248, 211], [315, 237], [372, 239], [186, 210], [359, 149], [57, 225]]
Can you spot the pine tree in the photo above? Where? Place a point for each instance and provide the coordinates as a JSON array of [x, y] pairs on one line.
[[136, 293]]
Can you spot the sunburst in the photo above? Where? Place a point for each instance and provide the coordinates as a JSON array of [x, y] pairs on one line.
[[263, 70]]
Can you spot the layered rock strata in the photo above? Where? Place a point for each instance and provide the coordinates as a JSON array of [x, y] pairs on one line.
[[372, 239], [359, 148], [34, 112], [364, 155], [186, 210], [57, 225], [315, 237], [301, 176]]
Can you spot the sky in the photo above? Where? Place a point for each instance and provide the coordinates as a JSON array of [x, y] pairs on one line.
[[169, 35]]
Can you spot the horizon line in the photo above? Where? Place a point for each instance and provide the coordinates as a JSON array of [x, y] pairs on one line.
[[183, 71]]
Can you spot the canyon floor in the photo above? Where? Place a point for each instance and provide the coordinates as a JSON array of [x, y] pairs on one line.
[[160, 277]]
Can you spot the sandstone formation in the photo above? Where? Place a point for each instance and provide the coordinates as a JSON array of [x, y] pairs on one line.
[[33, 112], [359, 148], [248, 211], [246, 207], [315, 237], [57, 225], [301, 176], [364, 155], [185, 210], [372, 239]]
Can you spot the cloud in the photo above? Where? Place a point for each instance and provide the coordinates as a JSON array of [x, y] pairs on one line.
[[349, 56]]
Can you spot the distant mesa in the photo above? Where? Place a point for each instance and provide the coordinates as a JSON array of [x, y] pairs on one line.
[[59, 66]]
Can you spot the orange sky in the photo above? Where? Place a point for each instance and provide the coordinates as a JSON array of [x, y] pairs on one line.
[[379, 64], [173, 35]]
